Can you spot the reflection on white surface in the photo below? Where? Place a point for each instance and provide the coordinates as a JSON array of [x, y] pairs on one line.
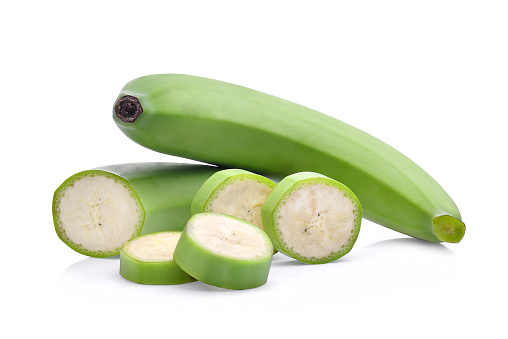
[[401, 244], [369, 270]]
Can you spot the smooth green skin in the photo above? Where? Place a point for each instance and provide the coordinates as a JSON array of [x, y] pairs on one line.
[[151, 273], [163, 190], [237, 127], [218, 270], [277, 198], [216, 183]]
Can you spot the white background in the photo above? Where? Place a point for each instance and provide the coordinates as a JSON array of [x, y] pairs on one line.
[[428, 77]]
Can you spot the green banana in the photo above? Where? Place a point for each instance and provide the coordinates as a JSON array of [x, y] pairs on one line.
[[96, 211], [233, 126]]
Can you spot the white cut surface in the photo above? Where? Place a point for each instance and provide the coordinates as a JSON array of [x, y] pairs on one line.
[[316, 220], [242, 199], [155, 247], [229, 237], [98, 213]]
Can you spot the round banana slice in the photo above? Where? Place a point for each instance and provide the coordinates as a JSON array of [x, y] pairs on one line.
[[148, 259], [312, 218], [224, 251], [95, 212], [234, 192]]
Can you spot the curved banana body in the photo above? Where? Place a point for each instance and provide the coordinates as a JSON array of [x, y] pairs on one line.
[[233, 126]]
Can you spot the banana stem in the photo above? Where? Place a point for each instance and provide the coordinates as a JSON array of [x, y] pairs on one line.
[[128, 108]]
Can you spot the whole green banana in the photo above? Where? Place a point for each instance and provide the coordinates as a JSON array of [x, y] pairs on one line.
[[233, 126]]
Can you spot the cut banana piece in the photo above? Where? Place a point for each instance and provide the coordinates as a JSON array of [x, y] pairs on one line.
[[234, 192], [312, 218], [96, 211], [224, 251], [148, 259]]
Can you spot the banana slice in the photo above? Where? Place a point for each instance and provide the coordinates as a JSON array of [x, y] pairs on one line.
[[96, 213], [224, 251], [234, 192], [148, 259], [312, 218]]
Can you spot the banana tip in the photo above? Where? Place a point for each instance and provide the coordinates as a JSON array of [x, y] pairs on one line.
[[448, 228]]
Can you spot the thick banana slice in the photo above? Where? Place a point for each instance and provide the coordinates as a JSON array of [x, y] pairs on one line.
[[234, 192], [312, 218], [97, 212], [224, 251], [148, 259]]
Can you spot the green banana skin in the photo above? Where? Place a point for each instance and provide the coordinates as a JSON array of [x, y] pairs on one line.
[[164, 190], [152, 273], [233, 126]]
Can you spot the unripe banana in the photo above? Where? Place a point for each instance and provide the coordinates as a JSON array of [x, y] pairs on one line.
[[96, 211], [234, 192], [148, 259], [312, 218], [224, 251], [236, 127]]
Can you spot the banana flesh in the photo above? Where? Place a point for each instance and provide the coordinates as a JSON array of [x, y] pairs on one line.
[[99, 213], [228, 237], [153, 247], [316, 220], [242, 199], [234, 192]]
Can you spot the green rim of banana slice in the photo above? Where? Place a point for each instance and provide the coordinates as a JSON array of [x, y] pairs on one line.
[[224, 251], [312, 218], [234, 192], [148, 259]]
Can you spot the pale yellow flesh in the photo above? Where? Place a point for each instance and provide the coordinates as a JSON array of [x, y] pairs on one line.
[[98, 213], [155, 247], [242, 199], [316, 220], [228, 237]]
